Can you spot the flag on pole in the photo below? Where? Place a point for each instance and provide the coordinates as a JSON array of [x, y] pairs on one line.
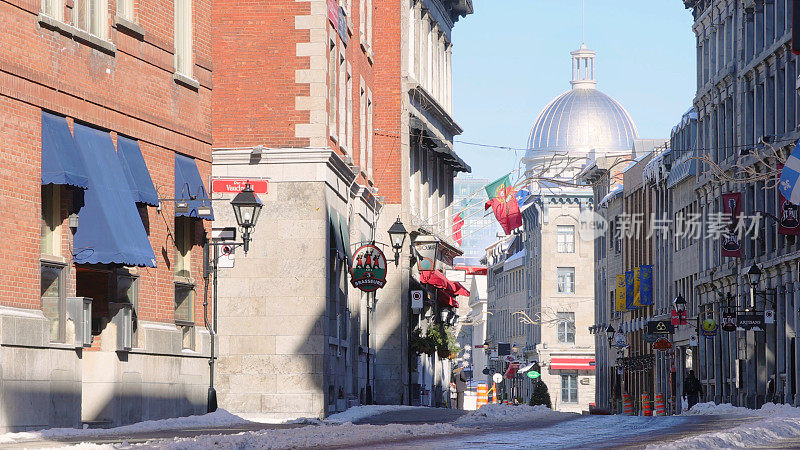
[[629, 290], [789, 187], [458, 223], [646, 285], [637, 293], [504, 204], [620, 291]]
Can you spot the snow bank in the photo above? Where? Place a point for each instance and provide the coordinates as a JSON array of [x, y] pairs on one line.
[[507, 413], [219, 418], [325, 435], [357, 413], [772, 423]]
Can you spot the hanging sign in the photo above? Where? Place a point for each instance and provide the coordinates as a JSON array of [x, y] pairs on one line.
[[769, 316], [693, 341], [751, 321], [732, 207], [728, 321], [709, 328], [426, 255], [662, 344], [678, 317], [650, 338], [368, 271], [619, 340], [660, 327], [788, 214]]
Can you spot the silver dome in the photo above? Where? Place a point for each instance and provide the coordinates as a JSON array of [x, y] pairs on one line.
[[581, 119]]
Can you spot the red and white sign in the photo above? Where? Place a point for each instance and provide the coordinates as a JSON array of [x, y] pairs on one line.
[[572, 363], [236, 185]]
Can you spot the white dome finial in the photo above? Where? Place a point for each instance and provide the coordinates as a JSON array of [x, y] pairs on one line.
[[583, 68]]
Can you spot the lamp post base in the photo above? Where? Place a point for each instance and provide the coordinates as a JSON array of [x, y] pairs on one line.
[[212, 400]]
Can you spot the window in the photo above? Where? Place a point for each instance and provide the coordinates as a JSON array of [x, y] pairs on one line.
[[566, 327], [125, 9], [362, 128], [183, 37], [91, 16], [128, 292], [369, 133], [566, 238], [52, 295], [52, 298], [184, 313], [332, 90], [184, 227], [342, 100], [53, 8], [349, 97], [566, 280], [569, 388]]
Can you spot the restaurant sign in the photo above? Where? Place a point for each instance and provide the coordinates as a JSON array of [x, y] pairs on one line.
[[368, 271]]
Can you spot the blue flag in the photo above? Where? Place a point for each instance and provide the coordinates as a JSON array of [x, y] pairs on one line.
[[629, 281], [522, 196], [790, 189], [646, 285]]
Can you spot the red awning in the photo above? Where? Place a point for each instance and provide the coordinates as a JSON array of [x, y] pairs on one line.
[[446, 299], [448, 290], [472, 270], [572, 364], [434, 278]]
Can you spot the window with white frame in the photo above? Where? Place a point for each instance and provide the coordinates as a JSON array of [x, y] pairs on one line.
[[51, 270], [569, 388], [362, 127], [53, 8], [566, 327], [125, 9], [333, 58], [342, 102], [565, 235], [349, 97], [370, 132], [566, 280], [184, 313], [91, 16], [183, 37]]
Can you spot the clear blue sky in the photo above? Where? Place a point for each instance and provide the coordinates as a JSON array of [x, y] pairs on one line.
[[511, 58]]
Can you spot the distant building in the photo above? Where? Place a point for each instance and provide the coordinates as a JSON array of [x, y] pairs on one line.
[[480, 227]]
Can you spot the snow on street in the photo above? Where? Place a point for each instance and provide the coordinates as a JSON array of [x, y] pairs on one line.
[[706, 426]]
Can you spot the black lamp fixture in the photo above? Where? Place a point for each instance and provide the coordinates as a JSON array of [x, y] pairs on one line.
[[679, 303], [610, 332], [246, 208], [754, 275], [397, 235]]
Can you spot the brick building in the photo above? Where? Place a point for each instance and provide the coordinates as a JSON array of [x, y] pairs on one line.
[[105, 107], [414, 168], [295, 105]]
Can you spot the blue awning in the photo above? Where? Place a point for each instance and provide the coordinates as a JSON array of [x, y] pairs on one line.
[[130, 156], [110, 230], [189, 186], [61, 162]]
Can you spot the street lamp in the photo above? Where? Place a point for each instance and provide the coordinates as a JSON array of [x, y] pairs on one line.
[[397, 235], [610, 332], [680, 304], [246, 208], [754, 275]]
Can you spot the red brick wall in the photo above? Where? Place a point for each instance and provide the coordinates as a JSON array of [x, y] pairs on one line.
[[131, 92], [388, 100], [254, 89]]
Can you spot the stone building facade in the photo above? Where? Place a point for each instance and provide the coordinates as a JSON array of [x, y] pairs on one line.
[[295, 338], [101, 111]]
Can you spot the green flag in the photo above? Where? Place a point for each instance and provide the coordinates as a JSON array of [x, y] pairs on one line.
[[495, 188]]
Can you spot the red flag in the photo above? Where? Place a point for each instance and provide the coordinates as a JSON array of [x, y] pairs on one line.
[[458, 223], [731, 242], [506, 210]]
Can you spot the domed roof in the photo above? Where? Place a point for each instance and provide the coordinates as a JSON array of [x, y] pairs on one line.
[[583, 118]]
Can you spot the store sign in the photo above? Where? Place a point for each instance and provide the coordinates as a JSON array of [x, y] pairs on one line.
[[678, 317], [368, 271], [236, 185], [729, 322], [753, 322], [650, 338], [709, 328], [662, 344], [426, 255], [660, 327]]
